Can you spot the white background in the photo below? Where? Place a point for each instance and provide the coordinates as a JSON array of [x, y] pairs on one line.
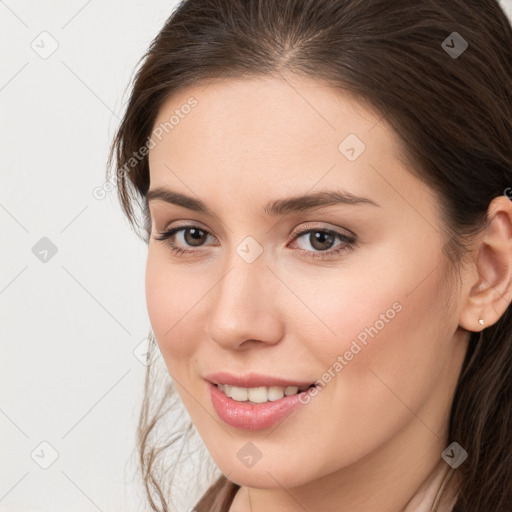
[[69, 326]]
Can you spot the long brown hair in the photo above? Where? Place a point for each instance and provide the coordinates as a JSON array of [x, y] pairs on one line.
[[453, 114]]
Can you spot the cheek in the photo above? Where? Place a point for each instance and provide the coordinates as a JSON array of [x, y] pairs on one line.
[[387, 333], [390, 337], [170, 299], [387, 315], [354, 323]]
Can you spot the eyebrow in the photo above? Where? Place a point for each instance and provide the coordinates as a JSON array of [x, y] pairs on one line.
[[298, 203]]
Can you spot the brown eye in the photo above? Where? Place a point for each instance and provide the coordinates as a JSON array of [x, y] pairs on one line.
[[193, 236], [196, 236], [321, 240]]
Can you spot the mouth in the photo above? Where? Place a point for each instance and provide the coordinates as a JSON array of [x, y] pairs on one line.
[[257, 407], [261, 394]]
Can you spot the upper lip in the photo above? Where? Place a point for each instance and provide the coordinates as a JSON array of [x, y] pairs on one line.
[[253, 380]]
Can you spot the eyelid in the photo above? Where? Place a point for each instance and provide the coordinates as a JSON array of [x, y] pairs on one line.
[[305, 227], [183, 224]]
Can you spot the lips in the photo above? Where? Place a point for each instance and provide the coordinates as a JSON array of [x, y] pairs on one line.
[[254, 380], [248, 416]]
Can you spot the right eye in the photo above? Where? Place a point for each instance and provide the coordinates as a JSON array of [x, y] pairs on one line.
[[196, 234]]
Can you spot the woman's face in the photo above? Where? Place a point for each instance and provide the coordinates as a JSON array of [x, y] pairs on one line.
[[369, 322]]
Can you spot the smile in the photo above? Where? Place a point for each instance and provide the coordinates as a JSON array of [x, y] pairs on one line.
[[261, 394], [255, 408]]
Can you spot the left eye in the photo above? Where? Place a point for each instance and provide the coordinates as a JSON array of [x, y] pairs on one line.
[[322, 240], [319, 238]]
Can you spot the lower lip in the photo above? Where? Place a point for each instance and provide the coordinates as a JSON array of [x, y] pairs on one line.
[[253, 416]]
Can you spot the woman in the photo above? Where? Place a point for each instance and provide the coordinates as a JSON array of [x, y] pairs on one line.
[[325, 196]]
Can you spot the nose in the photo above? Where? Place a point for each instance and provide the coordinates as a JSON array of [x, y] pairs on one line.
[[245, 311]]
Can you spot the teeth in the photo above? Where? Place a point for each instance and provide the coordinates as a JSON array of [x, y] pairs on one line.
[[239, 394], [227, 390], [291, 390], [259, 395], [275, 393]]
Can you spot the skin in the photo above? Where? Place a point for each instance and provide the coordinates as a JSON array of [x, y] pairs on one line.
[[375, 432]]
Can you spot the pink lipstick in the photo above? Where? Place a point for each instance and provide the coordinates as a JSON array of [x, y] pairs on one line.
[[255, 416]]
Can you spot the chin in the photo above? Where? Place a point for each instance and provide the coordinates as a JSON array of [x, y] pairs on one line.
[[264, 476]]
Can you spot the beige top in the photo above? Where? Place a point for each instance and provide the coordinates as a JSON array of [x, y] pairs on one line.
[[435, 495]]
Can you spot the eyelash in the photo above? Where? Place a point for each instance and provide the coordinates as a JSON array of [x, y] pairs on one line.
[[350, 241]]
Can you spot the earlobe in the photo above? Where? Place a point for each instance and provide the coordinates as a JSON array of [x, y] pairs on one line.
[[489, 297]]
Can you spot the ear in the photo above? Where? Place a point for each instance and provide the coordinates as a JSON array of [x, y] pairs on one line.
[[490, 280]]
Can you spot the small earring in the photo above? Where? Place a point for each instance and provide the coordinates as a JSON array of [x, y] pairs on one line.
[[481, 321]]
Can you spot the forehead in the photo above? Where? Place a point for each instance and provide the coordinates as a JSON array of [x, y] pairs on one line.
[[264, 112], [247, 135]]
